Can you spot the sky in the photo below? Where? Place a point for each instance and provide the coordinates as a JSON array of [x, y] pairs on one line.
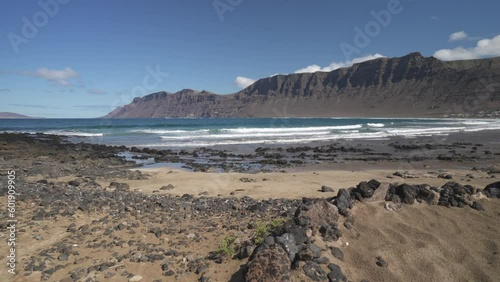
[[83, 58]]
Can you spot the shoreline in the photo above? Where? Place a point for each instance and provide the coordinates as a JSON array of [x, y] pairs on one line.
[[241, 135]]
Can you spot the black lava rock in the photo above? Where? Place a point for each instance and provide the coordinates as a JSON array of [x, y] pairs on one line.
[[381, 262], [477, 206], [336, 252], [335, 274], [492, 190], [325, 189], [314, 271]]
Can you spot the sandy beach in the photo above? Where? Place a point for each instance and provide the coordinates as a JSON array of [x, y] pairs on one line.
[[86, 214]]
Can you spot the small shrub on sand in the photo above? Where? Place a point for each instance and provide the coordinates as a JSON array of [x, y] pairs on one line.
[[227, 246], [263, 229]]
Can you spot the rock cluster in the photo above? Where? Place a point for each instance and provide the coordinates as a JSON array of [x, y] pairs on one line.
[[451, 194], [294, 243]]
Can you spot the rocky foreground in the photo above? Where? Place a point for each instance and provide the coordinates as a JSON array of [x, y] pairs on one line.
[[72, 228]]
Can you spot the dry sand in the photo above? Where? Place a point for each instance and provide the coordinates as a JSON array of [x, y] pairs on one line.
[[424, 243], [287, 185], [420, 242]]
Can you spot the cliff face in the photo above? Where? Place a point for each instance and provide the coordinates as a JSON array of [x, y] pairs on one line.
[[412, 85], [185, 103]]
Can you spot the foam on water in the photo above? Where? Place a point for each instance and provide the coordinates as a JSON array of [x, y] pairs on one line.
[[375, 124], [221, 131], [244, 135], [74, 133]]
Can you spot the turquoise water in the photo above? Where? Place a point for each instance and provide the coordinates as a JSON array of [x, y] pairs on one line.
[[206, 132]]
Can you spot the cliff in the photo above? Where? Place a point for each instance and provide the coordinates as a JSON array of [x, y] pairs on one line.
[[409, 86]]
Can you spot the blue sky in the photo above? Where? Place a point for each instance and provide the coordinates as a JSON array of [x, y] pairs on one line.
[[75, 58]]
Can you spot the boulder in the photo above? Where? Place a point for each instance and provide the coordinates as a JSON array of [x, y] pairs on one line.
[[492, 190], [287, 242], [455, 195], [343, 201], [271, 263], [366, 189], [319, 216], [406, 193]]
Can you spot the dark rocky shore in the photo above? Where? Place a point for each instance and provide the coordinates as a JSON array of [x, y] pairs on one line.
[[89, 232]]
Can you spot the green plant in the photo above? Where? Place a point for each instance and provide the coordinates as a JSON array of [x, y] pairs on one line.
[[276, 223], [227, 245], [262, 230]]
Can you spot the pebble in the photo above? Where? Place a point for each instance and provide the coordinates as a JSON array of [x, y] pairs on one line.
[[135, 278]]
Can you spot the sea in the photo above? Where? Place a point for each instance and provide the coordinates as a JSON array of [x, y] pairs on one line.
[[209, 132]]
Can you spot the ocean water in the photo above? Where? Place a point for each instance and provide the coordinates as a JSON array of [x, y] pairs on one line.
[[207, 132]]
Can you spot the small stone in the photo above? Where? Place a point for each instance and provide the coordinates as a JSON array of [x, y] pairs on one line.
[[204, 279], [445, 176], [167, 187], [269, 240], [246, 179], [169, 273], [39, 215], [477, 206], [135, 278], [314, 271], [335, 274], [381, 262], [74, 183], [336, 252], [322, 260], [246, 251], [325, 189], [63, 257]]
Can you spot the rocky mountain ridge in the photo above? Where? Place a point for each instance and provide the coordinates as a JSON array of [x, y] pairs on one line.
[[8, 115], [408, 86]]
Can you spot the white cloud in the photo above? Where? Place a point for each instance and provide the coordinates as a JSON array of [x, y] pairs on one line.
[[484, 48], [337, 65], [244, 82], [96, 91], [459, 35], [58, 76]]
